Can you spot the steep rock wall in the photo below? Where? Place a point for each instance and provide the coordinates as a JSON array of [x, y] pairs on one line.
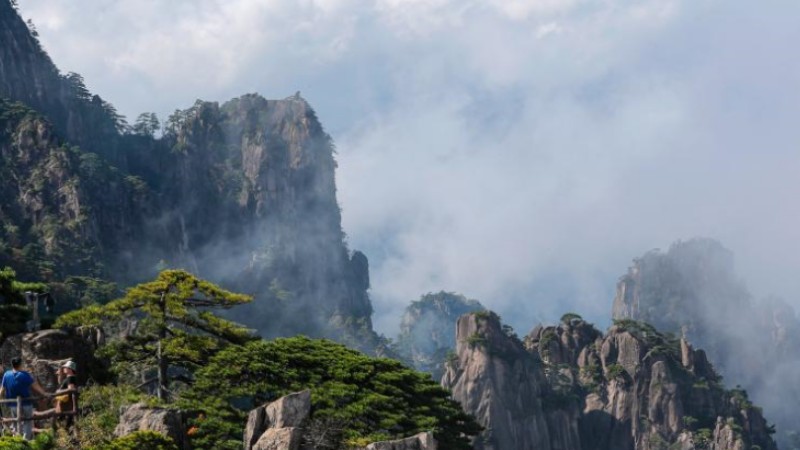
[[632, 388]]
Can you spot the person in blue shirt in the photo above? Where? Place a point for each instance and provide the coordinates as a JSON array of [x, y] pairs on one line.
[[19, 383]]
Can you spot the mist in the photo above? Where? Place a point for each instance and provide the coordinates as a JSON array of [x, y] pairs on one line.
[[520, 153]]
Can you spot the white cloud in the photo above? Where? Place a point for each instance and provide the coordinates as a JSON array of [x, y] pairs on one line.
[[519, 151]]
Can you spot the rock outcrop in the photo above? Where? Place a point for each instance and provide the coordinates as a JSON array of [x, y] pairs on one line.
[[277, 425], [422, 441], [571, 387], [140, 417], [503, 386], [427, 330]]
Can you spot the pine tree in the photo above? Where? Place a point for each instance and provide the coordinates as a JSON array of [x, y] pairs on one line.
[[147, 124], [174, 327]]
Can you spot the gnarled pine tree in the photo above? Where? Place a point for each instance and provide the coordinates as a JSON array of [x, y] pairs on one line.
[[174, 324]]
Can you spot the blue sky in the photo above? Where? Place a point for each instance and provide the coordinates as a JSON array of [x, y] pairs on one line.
[[520, 152]]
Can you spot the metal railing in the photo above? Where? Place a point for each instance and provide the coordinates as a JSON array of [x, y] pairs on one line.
[[51, 413]]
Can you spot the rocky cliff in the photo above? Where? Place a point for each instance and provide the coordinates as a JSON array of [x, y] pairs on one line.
[[693, 290], [241, 193], [573, 387], [427, 329]]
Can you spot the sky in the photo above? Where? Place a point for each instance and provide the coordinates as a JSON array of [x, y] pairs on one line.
[[521, 152]]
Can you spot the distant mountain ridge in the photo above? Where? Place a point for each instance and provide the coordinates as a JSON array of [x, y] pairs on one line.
[[427, 329], [692, 290]]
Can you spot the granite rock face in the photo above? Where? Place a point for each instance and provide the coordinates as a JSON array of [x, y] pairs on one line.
[[289, 411], [573, 387], [503, 386], [278, 425], [422, 441], [279, 439], [140, 417]]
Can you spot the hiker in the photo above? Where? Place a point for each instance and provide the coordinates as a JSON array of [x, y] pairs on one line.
[[68, 380], [19, 383]]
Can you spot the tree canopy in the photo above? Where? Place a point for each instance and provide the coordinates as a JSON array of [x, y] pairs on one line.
[[174, 327], [355, 398]]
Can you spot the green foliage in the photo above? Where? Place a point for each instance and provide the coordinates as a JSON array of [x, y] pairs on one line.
[[476, 340], [591, 376], [147, 124], [657, 442], [451, 356], [689, 422], [90, 291], [42, 441], [659, 344], [569, 317], [548, 337], [614, 371], [169, 317], [703, 438], [371, 398], [486, 315], [740, 397], [100, 406], [140, 440]]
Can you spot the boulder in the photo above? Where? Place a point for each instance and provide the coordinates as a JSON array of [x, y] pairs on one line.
[[290, 410], [140, 417], [422, 441], [279, 439], [255, 427], [276, 425]]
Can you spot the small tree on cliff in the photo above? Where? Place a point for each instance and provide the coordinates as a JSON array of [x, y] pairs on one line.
[[174, 326], [13, 309]]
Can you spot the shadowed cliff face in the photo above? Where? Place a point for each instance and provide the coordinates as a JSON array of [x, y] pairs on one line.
[[571, 387], [692, 290], [250, 191], [63, 211]]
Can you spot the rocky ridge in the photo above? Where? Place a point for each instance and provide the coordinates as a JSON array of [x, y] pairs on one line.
[[573, 387], [693, 290]]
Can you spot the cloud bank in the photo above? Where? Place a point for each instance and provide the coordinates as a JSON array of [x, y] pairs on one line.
[[518, 151]]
